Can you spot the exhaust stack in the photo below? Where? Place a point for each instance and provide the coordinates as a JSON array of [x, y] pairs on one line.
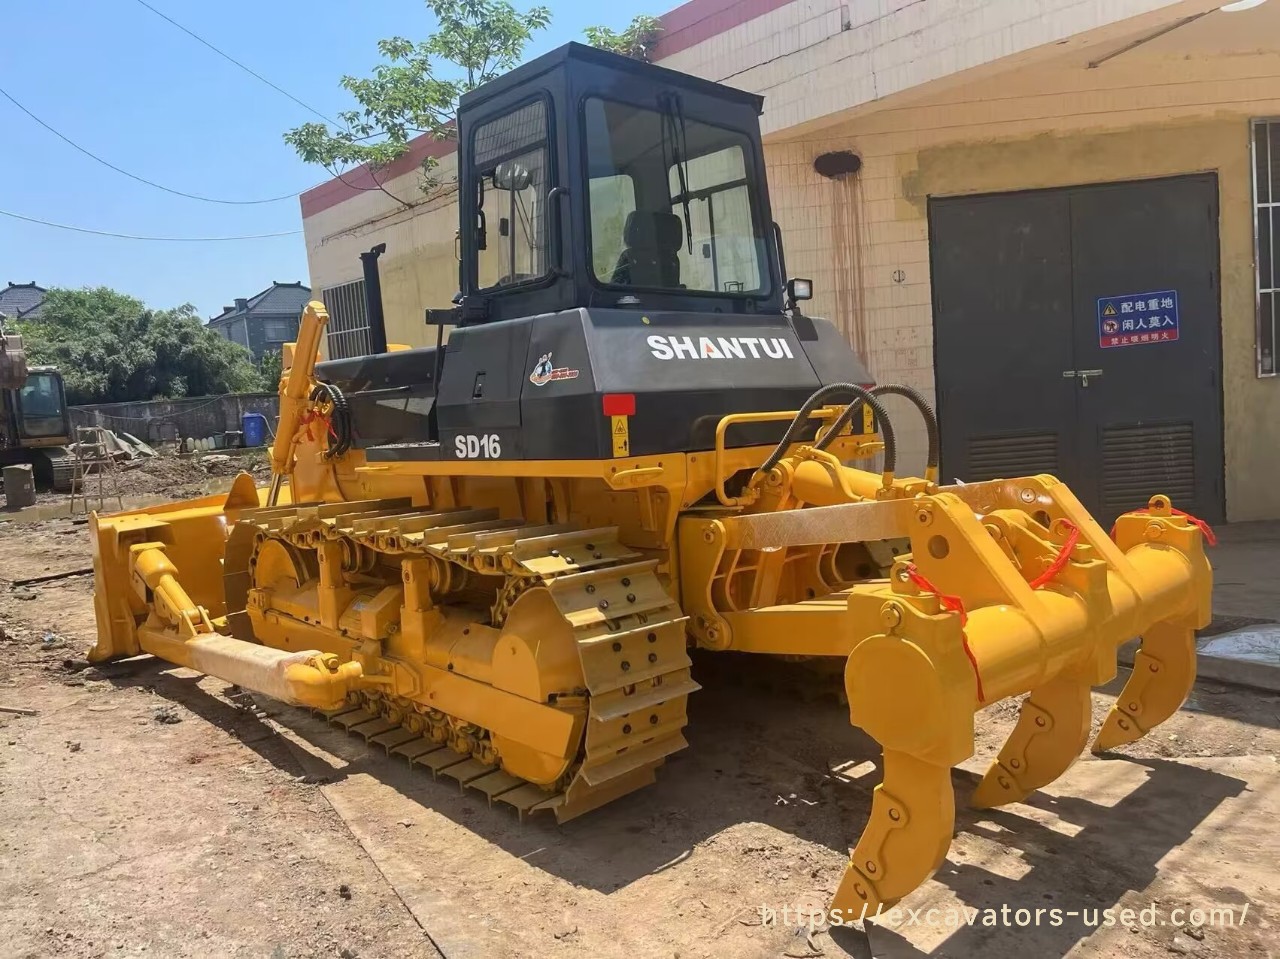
[[373, 299]]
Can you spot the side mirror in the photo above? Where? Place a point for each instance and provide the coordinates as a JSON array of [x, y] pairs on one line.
[[512, 176]]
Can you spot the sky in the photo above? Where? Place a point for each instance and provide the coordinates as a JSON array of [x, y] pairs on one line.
[[138, 92]]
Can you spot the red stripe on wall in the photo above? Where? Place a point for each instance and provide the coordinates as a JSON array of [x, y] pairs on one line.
[[360, 179], [700, 20], [685, 26]]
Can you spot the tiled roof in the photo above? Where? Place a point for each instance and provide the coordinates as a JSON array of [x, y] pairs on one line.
[[288, 298], [21, 300]]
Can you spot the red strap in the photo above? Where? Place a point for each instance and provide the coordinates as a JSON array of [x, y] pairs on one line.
[[1204, 527], [311, 416], [1060, 562], [953, 604]]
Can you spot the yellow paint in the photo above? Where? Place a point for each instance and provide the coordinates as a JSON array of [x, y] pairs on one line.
[[620, 432]]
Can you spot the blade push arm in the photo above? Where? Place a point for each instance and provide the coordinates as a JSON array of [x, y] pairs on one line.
[[295, 388]]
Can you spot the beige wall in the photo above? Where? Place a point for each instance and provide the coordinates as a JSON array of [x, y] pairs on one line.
[[1167, 110], [815, 58], [418, 270]]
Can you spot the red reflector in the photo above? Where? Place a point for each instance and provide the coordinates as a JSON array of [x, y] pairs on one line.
[[619, 404]]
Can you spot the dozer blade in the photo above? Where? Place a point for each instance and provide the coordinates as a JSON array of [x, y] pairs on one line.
[[999, 603]]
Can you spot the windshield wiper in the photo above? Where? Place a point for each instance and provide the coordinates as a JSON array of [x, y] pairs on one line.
[[673, 122]]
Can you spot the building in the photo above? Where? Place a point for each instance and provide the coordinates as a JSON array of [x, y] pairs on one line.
[[265, 322], [1000, 203], [22, 301]]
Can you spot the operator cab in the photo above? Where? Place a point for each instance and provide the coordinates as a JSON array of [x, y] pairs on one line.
[[621, 284], [662, 175], [38, 410]]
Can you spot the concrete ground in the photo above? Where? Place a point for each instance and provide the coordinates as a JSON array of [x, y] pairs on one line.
[[1244, 570], [1242, 644]]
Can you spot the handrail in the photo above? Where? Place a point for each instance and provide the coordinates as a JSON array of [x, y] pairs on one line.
[[826, 413]]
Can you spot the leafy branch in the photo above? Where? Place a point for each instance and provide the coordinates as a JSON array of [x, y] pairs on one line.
[[636, 41], [415, 90]]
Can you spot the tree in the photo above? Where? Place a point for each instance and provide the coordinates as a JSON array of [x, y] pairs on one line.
[[410, 94], [271, 366], [636, 41], [111, 348]]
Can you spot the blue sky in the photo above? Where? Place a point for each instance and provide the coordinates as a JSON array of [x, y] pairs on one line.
[[125, 84]]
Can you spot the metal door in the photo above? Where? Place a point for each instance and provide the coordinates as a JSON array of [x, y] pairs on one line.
[[1147, 344], [1002, 328], [1077, 333]]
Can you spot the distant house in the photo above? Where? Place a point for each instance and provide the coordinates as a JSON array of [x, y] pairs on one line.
[[265, 322], [22, 301]]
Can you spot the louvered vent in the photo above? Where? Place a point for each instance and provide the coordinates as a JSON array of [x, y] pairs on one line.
[[1139, 461], [348, 333], [1000, 457]]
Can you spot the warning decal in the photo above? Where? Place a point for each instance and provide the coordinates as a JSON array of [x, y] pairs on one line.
[[621, 435], [1138, 319]]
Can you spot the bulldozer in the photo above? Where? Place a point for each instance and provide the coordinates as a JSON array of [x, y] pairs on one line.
[[493, 557]]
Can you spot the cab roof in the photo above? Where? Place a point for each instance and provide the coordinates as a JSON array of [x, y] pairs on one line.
[[572, 53]]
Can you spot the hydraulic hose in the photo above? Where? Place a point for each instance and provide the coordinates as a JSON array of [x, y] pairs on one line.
[[926, 411], [816, 400], [340, 420]]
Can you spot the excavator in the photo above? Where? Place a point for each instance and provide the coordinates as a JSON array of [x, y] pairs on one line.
[[35, 426], [493, 557]]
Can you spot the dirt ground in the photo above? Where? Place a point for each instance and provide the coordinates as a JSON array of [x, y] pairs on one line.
[[144, 810], [166, 476]]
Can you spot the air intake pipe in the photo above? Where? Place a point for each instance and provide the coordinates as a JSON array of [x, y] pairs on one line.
[[373, 299]]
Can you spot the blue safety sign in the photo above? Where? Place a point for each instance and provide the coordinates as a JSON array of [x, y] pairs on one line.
[[1138, 319]]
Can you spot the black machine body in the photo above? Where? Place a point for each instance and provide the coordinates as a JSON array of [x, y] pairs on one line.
[[621, 280]]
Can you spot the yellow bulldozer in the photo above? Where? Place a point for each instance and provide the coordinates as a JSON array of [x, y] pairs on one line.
[[493, 557]]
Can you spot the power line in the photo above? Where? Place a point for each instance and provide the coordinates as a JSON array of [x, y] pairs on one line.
[[228, 57], [159, 239], [133, 176]]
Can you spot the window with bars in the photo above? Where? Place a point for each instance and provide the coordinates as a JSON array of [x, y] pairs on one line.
[[1266, 231], [348, 332]]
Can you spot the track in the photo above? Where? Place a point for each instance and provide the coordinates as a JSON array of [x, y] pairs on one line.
[[628, 632]]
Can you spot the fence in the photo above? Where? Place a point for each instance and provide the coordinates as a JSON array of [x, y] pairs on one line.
[[167, 421]]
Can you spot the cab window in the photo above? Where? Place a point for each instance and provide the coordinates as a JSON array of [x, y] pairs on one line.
[[511, 167]]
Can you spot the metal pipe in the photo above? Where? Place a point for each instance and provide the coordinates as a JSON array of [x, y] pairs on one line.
[[306, 678]]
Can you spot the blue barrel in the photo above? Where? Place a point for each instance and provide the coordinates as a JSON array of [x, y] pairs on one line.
[[255, 429]]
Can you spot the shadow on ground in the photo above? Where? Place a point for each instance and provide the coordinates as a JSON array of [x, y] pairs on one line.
[[764, 758]]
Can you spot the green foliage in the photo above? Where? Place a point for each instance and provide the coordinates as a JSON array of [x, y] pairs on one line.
[[636, 41], [111, 348], [409, 94], [271, 366]]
